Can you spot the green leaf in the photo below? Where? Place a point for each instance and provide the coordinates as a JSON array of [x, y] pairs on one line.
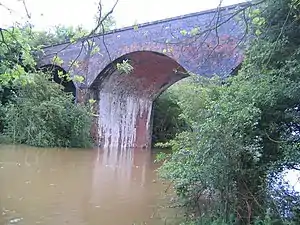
[[78, 78], [57, 60], [195, 31], [258, 32], [183, 32], [95, 50]]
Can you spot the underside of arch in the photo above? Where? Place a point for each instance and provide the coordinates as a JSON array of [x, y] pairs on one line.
[[125, 100]]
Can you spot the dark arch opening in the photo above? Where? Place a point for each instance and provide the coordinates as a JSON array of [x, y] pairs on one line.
[[54, 71], [166, 116]]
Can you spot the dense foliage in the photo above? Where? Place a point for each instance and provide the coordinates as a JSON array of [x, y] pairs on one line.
[[34, 110], [244, 132], [166, 119], [15, 60], [41, 114]]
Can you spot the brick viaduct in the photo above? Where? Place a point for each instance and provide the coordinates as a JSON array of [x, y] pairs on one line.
[[161, 53]]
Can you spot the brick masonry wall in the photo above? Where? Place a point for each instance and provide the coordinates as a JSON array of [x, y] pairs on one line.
[[215, 52], [156, 50]]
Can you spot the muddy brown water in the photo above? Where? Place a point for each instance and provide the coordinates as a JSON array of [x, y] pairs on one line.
[[81, 187]]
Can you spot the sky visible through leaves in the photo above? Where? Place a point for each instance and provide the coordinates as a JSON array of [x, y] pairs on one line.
[[45, 13]]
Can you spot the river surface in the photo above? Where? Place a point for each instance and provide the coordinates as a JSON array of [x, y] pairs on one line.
[[80, 187]]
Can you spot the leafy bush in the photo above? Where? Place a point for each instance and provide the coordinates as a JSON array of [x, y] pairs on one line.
[[42, 114], [167, 121], [244, 132]]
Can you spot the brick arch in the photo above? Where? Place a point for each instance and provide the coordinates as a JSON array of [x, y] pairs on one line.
[[208, 58], [174, 52], [54, 69], [153, 72], [124, 101]]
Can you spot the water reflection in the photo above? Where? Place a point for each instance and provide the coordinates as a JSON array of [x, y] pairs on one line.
[[60, 186]]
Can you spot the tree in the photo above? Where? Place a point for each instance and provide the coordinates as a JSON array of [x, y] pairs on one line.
[[245, 131], [20, 80], [41, 114]]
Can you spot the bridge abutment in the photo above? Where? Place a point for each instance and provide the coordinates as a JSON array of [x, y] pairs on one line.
[[124, 120]]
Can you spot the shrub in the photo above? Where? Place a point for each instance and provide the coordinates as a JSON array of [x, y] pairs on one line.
[[42, 114]]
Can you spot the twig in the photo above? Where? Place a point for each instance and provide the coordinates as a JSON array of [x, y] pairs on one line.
[[280, 34], [26, 9], [100, 21], [76, 58], [106, 48], [268, 136]]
